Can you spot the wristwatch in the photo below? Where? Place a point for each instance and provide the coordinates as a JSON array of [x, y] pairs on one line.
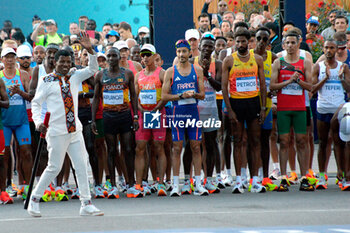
[[298, 80], [263, 108], [180, 96], [136, 117], [209, 76]]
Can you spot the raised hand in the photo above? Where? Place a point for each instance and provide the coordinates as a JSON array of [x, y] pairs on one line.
[[84, 40]]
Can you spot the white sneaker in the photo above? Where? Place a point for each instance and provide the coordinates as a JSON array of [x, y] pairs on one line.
[[238, 188], [200, 191], [175, 192], [90, 209], [258, 188], [33, 207], [245, 182], [229, 181], [275, 175], [168, 186], [220, 183]]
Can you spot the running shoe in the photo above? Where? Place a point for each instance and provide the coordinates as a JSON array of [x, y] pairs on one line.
[[293, 179], [5, 198], [269, 185], [122, 184], [275, 175], [192, 183], [11, 191], [200, 191], [186, 188], [67, 189], [161, 189], [99, 192], [60, 195], [20, 190], [113, 193], [238, 188], [168, 186], [88, 208], [321, 183], [228, 181], [25, 192], [258, 188], [135, 191], [346, 186], [283, 187], [153, 187], [211, 187], [146, 188], [305, 185], [175, 192], [220, 183], [245, 182], [312, 179], [33, 207], [76, 194], [47, 196]]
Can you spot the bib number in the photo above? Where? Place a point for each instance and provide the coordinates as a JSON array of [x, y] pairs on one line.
[[113, 97], [16, 99], [292, 89], [148, 97], [246, 84]]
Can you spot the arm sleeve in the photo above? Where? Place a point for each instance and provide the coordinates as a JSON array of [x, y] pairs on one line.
[[37, 101], [82, 75]]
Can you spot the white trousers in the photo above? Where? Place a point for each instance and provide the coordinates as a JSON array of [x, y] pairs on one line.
[[57, 147]]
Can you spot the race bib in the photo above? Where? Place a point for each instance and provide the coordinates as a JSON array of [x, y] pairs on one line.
[[292, 89], [148, 97], [16, 99], [187, 101], [332, 87], [246, 84], [210, 97], [113, 97]]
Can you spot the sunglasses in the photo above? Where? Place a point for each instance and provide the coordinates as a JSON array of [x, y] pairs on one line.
[[342, 48], [147, 54], [76, 47], [23, 58], [259, 38], [209, 36]]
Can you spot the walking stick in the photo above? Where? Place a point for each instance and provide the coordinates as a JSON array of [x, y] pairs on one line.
[[36, 161]]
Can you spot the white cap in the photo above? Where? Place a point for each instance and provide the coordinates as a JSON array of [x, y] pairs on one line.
[[143, 29], [120, 44], [148, 47], [6, 51], [23, 51], [101, 55], [51, 21], [344, 122], [192, 33]]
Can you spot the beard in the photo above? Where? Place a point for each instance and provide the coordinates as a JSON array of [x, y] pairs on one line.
[[242, 50]]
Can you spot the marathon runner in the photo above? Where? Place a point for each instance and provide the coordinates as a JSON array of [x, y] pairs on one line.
[[241, 73], [183, 86], [113, 86], [331, 80], [291, 110]]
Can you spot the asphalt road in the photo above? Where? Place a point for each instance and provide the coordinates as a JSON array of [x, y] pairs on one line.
[[294, 211]]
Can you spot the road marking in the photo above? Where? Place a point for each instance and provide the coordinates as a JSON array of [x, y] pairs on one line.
[[211, 213]]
